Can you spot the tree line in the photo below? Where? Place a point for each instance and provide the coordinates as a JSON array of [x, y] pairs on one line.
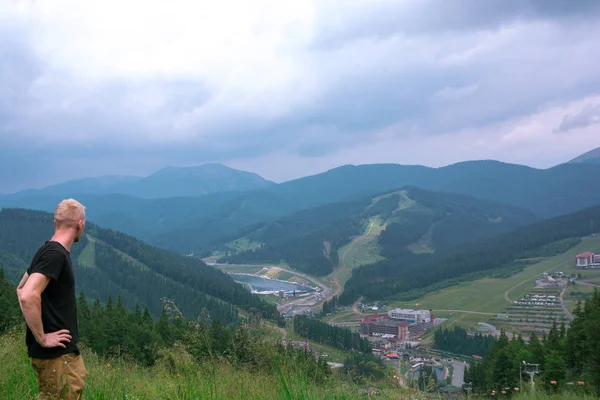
[[563, 356], [111, 331], [341, 338], [329, 306], [457, 340]]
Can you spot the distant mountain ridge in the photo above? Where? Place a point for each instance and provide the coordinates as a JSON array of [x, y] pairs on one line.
[[191, 224], [592, 156], [168, 182]]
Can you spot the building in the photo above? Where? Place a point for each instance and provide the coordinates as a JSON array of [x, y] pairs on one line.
[[588, 260], [383, 325], [410, 316]]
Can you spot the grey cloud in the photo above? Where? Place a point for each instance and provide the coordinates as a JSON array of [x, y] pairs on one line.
[[589, 115], [108, 127], [454, 93], [383, 19], [19, 68]]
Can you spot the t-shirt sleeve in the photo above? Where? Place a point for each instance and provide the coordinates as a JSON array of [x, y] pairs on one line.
[[50, 263]]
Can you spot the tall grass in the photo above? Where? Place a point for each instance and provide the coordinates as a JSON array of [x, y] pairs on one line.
[[177, 376]]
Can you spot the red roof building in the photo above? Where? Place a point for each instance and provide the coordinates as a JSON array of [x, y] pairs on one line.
[[588, 260]]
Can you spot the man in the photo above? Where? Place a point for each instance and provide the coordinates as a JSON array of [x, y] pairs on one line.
[[47, 298]]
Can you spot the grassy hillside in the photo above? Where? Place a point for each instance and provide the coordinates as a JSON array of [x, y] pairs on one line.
[[177, 377], [479, 300], [107, 262], [408, 219], [410, 276]]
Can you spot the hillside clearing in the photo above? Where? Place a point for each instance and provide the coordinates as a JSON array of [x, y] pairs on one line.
[[490, 295], [361, 251], [87, 258]]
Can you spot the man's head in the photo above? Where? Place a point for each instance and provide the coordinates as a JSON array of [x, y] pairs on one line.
[[70, 215]]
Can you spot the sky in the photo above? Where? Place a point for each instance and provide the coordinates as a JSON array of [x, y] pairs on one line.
[[292, 88]]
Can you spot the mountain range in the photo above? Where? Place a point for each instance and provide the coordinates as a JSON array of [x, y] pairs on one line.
[[193, 224], [168, 182]]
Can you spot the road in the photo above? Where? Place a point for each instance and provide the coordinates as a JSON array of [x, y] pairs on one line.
[[564, 306], [308, 301], [466, 312], [351, 323], [458, 374], [355, 308], [586, 283]]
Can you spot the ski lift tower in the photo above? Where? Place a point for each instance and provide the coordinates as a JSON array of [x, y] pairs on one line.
[[530, 369]]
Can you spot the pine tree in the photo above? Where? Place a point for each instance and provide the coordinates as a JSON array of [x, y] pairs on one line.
[[9, 305]]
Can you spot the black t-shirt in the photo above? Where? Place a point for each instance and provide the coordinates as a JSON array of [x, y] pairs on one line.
[[59, 307]]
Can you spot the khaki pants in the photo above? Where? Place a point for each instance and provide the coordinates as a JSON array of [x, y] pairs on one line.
[[60, 378]]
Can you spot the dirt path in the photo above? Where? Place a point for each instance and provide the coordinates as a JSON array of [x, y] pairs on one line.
[[284, 333], [530, 278], [587, 283], [343, 265], [355, 307], [564, 306]]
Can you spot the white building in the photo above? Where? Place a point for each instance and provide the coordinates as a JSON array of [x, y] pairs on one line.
[[588, 260], [409, 315]]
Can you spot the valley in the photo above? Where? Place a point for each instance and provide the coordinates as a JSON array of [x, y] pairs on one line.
[[286, 200], [374, 272]]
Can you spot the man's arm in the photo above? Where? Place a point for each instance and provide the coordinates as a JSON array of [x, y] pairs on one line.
[[22, 283], [30, 299]]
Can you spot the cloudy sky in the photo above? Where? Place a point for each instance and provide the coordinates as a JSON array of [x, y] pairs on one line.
[[290, 88]]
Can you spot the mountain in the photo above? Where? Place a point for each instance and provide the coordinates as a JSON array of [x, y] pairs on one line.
[[168, 182], [108, 262], [409, 219], [591, 157], [428, 272], [548, 192], [191, 224]]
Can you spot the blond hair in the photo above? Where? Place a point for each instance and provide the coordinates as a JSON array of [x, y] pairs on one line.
[[69, 212]]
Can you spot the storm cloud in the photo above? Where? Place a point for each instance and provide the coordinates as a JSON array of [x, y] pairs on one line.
[[111, 87]]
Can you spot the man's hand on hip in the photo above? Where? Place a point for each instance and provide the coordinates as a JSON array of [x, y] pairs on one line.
[[55, 339]]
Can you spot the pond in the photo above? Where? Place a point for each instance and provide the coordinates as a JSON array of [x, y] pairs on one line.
[[261, 285]]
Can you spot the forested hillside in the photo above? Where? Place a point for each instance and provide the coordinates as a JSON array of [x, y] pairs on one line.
[[408, 275], [107, 262], [564, 355], [192, 224], [415, 218]]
